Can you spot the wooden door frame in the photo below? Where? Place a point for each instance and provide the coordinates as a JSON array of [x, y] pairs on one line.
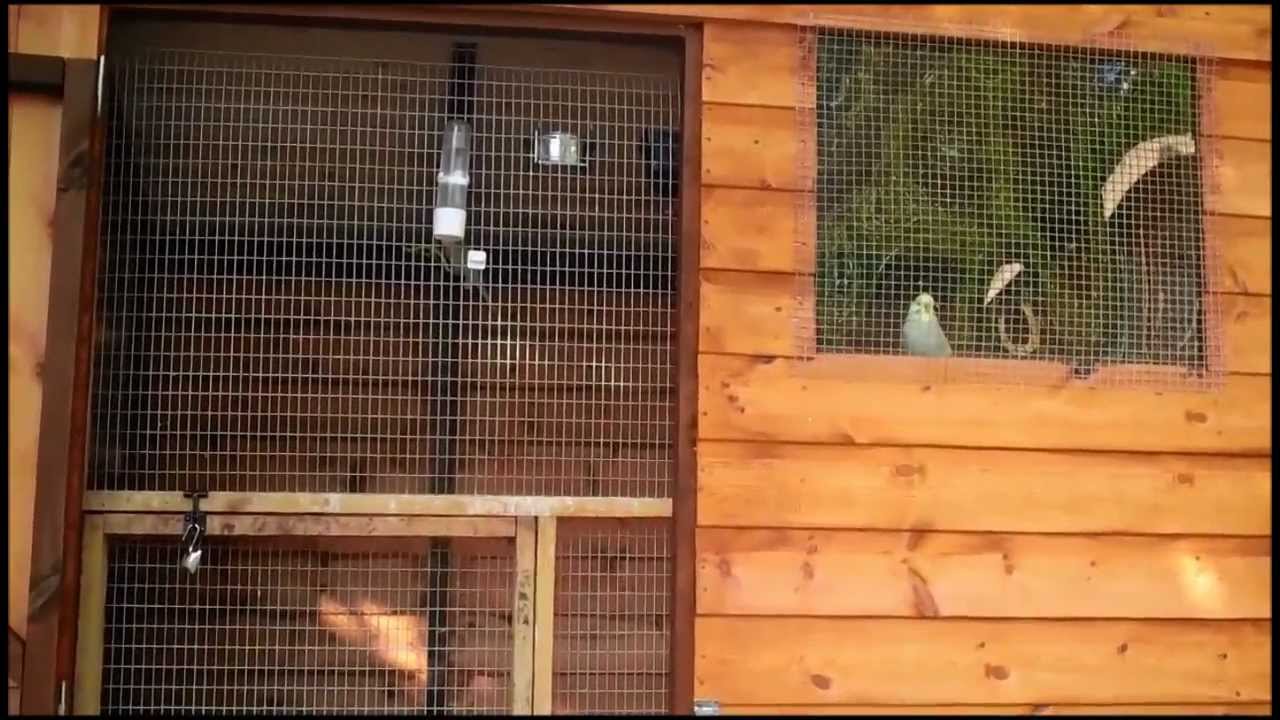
[[60, 454], [57, 522], [100, 527]]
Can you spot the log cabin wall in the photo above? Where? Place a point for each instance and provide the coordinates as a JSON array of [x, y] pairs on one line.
[[882, 547]]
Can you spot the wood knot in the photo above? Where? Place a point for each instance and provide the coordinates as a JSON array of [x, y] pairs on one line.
[[906, 470], [1124, 648], [806, 569], [925, 605], [1185, 479], [995, 672], [726, 569], [1008, 563], [736, 403], [1197, 417], [822, 682]]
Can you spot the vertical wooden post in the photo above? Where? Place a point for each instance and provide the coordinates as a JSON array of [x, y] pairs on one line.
[[544, 614], [522, 620], [55, 531], [684, 510], [87, 695]]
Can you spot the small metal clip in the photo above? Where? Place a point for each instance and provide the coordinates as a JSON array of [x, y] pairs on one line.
[[192, 532], [706, 707]]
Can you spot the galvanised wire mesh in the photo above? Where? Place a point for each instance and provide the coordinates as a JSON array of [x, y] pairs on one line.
[[295, 625], [271, 317], [1027, 213], [612, 617]]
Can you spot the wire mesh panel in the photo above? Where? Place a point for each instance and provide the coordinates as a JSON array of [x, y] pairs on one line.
[[611, 648], [294, 626], [1006, 201], [274, 314]]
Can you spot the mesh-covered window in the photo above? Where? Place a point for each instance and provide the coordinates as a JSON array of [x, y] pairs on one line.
[[270, 318], [295, 625], [1008, 201]]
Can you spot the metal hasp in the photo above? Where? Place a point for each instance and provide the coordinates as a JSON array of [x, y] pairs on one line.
[[706, 707], [193, 529]]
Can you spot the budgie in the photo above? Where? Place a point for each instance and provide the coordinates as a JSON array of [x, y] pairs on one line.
[[921, 333]]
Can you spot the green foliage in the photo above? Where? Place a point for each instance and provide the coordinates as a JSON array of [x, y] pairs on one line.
[[940, 161]]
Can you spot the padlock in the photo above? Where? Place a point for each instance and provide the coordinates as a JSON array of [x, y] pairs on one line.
[[191, 560], [191, 552]]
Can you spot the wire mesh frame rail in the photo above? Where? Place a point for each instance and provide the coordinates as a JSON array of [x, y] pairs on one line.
[[1098, 263], [358, 623]]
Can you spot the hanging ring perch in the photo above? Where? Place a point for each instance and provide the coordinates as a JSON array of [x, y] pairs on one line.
[[1033, 333]]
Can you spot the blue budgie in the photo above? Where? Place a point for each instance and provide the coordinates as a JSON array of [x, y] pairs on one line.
[[921, 333]]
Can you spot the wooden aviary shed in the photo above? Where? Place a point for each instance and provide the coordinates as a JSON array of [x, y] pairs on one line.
[[568, 359]]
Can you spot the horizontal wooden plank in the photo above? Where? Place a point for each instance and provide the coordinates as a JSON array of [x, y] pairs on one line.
[[767, 230], [891, 661], [1245, 250], [1254, 71], [69, 31], [333, 636], [189, 304], [395, 412], [313, 525], [624, 646], [258, 689], [1190, 709], [395, 351], [752, 313], [1244, 179], [751, 64], [1242, 33], [550, 469], [920, 488], [335, 465], [851, 573], [265, 576], [747, 398], [1247, 333], [1241, 110], [376, 504], [572, 693], [308, 409], [751, 147], [610, 586], [764, 314], [590, 416]]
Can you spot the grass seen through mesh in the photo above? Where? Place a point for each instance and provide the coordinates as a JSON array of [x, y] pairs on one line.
[[939, 161]]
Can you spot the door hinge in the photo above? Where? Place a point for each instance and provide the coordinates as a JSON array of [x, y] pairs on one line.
[[706, 707]]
